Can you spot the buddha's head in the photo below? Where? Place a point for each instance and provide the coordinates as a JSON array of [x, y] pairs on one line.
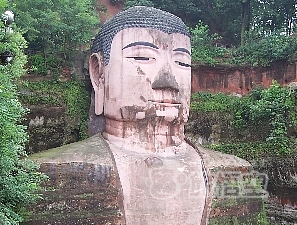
[[140, 67]]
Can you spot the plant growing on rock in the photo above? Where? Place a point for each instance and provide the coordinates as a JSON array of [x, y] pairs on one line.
[[275, 107]]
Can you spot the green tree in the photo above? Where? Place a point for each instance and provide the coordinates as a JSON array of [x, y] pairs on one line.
[[245, 18], [203, 50], [19, 178], [222, 17], [56, 25], [131, 3], [269, 16], [233, 19]]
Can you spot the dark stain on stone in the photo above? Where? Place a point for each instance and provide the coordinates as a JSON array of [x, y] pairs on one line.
[[128, 113], [143, 99], [77, 193], [140, 71], [153, 162], [150, 113]]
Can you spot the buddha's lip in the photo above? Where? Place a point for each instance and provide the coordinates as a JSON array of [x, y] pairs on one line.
[[166, 102]]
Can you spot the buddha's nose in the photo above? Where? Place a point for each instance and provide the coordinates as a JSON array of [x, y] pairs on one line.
[[165, 80]]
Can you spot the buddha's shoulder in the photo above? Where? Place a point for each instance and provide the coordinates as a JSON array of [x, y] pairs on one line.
[[214, 159], [91, 150]]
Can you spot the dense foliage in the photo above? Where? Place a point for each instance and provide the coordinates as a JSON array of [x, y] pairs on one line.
[[275, 106], [231, 19], [203, 50], [56, 26], [260, 52], [55, 29], [265, 50], [19, 178]]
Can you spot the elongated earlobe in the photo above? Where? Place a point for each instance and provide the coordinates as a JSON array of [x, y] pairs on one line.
[[97, 78]]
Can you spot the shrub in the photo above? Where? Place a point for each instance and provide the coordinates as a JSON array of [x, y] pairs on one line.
[[37, 64], [203, 49], [266, 50]]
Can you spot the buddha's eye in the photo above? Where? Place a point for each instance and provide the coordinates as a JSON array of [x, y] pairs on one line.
[[139, 58], [182, 64]]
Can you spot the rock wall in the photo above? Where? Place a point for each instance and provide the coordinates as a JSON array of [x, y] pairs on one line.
[[216, 128], [241, 80], [49, 123], [46, 127], [281, 170], [281, 207], [50, 127], [82, 187]]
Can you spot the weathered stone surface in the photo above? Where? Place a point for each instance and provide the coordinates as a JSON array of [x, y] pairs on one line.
[[161, 188], [96, 123], [227, 172], [241, 80], [281, 206], [46, 127], [82, 188], [79, 68], [281, 170]]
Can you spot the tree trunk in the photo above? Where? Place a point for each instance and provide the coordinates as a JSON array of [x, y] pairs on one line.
[[245, 7]]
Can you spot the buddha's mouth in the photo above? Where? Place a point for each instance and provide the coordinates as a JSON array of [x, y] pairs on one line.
[[165, 102]]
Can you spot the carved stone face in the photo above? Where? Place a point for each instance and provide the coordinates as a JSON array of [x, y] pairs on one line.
[[148, 76]]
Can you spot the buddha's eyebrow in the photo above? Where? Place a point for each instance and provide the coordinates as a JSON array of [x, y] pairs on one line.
[[141, 43], [182, 50]]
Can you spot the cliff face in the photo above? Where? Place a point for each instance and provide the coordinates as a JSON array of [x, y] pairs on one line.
[[241, 80], [208, 128], [57, 106], [47, 128]]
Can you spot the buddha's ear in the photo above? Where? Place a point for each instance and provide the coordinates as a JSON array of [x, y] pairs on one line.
[[96, 66]]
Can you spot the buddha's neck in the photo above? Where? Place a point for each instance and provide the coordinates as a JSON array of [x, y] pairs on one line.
[[155, 135]]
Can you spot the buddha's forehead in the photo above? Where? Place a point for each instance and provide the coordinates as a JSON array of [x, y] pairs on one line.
[[157, 37], [136, 17]]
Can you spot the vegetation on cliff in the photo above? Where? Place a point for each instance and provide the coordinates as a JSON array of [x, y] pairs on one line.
[[229, 32], [235, 21], [273, 108], [72, 95], [261, 51], [19, 178]]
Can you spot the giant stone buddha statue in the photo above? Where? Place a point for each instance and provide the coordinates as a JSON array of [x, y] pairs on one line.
[[141, 74], [140, 69]]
